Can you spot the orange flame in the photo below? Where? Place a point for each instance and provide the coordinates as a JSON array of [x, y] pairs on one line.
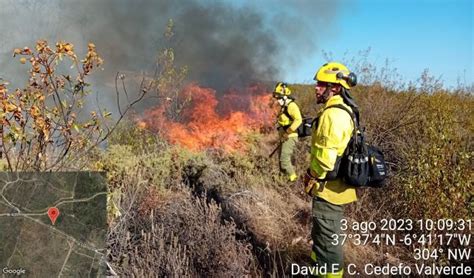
[[207, 121]]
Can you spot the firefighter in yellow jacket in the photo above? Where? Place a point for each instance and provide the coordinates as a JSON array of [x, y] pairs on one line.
[[329, 140], [289, 119]]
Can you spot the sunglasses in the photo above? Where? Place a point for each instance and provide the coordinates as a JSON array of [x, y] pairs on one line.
[[322, 84]]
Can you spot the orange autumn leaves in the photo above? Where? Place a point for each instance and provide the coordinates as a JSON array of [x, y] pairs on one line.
[[39, 123]]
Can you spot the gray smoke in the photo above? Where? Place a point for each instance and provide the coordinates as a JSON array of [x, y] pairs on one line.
[[224, 44]]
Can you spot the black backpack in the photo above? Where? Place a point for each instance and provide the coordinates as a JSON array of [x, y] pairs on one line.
[[361, 164], [305, 129]]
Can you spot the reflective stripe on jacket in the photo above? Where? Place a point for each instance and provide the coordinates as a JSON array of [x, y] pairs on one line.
[[294, 121], [328, 142]]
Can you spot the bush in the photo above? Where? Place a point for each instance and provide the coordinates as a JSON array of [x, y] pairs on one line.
[[182, 236], [43, 125]]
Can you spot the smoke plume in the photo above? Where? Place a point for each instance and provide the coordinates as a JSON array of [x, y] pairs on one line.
[[223, 44]]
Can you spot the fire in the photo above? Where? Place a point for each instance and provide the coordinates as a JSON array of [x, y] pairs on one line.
[[207, 121]]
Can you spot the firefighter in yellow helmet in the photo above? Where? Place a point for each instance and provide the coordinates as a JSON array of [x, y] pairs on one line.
[[329, 140], [289, 119]]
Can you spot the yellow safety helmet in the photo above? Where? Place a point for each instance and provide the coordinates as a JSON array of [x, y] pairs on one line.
[[281, 90], [334, 72]]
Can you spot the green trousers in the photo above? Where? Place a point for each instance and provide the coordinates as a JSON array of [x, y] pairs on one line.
[[286, 151], [327, 223]]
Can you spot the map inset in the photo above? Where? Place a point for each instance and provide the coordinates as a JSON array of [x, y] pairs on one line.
[[30, 245]]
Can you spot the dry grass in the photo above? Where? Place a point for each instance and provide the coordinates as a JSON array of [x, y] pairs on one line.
[[269, 215], [215, 214], [181, 236]]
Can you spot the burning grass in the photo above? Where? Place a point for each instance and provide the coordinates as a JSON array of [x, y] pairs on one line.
[[207, 121]]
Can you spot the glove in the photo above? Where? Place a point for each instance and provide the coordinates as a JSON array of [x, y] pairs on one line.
[[309, 182], [283, 132], [286, 133]]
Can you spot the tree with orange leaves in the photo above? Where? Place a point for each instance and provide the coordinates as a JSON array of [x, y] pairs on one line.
[[43, 126]]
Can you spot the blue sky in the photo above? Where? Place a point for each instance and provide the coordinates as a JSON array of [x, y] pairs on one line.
[[411, 34]]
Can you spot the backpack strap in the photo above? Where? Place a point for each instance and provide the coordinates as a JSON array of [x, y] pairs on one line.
[[353, 117], [284, 110]]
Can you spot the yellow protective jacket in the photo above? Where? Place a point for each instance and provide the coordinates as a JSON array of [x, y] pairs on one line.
[[293, 122], [329, 141]]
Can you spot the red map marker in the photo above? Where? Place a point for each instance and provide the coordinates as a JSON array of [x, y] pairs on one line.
[[53, 214]]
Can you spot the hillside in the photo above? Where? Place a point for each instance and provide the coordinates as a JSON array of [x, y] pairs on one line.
[[211, 212]]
